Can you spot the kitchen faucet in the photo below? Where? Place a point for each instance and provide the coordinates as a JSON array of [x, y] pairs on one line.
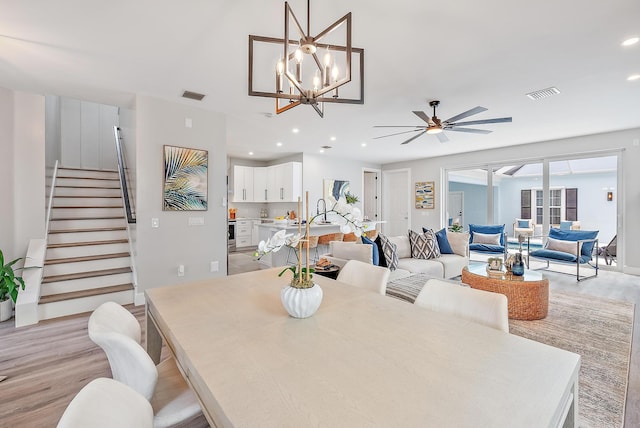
[[324, 208]]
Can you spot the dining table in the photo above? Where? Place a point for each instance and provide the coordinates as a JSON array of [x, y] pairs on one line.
[[362, 360]]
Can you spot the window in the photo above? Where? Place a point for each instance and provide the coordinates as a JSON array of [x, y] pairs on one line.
[[557, 205]]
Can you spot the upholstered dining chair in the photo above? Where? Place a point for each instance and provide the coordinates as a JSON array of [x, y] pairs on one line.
[[117, 332], [107, 403], [365, 275], [482, 307]]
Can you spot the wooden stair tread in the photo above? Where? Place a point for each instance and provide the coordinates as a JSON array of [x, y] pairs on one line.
[[90, 196], [97, 229], [85, 187], [89, 218], [80, 244], [85, 206], [86, 258], [70, 168], [88, 178], [82, 275], [85, 293]]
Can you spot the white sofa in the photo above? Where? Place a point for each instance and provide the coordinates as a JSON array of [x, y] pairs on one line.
[[445, 266]]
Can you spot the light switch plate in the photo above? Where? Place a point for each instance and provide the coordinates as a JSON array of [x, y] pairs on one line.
[[214, 266], [155, 222], [196, 221]]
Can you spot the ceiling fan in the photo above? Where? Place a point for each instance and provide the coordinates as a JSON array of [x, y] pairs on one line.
[[436, 126]]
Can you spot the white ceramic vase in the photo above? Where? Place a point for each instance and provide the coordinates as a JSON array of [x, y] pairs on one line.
[[301, 302], [6, 309]]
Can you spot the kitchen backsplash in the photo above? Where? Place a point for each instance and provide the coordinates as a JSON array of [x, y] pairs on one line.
[[274, 209]]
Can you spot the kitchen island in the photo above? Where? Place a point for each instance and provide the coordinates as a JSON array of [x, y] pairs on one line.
[[279, 258]]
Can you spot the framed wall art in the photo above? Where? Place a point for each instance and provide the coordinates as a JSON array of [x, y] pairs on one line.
[[185, 179], [425, 195], [333, 190]]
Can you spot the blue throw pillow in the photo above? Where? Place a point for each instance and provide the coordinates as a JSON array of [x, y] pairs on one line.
[[576, 235], [443, 241], [523, 224], [565, 225], [488, 229], [376, 254], [382, 261]]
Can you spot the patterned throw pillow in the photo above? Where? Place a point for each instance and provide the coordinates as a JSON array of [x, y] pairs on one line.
[[424, 245], [390, 251]]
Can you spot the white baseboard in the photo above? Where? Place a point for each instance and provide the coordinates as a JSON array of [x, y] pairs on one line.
[[631, 270], [138, 299]]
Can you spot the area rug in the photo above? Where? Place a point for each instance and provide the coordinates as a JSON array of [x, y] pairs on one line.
[[599, 330]]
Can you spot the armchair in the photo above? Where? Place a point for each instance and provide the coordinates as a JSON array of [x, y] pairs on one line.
[[524, 227], [488, 239], [568, 246]]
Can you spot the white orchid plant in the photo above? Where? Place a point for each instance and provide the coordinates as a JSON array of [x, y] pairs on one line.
[[350, 220]]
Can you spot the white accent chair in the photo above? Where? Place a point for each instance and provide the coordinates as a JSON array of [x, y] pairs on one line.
[[482, 307], [526, 231], [365, 275], [117, 332], [106, 403]]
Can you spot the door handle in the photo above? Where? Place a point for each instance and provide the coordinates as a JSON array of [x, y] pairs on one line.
[[265, 194]]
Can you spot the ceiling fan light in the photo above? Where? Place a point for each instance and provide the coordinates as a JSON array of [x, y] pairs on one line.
[[434, 130]]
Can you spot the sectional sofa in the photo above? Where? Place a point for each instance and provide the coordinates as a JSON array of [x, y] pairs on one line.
[[445, 266]]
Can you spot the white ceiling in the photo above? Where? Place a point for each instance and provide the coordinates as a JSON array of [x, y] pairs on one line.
[[464, 53]]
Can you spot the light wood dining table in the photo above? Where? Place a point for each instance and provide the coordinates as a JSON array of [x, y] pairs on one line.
[[363, 360]]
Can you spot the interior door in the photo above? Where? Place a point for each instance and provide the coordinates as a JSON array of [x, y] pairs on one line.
[[396, 204], [370, 195], [456, 207]]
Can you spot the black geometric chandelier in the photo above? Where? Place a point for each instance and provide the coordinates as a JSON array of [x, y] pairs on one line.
[[309, 69]]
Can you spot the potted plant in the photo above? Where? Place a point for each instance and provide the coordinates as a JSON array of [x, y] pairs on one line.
[[9, 286]]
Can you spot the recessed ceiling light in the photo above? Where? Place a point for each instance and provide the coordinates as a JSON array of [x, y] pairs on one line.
[[295, 130], [634, 77], [279, 144], [364, 144], [333, 138], [321, 150], [631, 41], [250, 153]]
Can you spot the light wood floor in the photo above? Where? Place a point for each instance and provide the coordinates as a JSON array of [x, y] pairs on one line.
[[47, 364]]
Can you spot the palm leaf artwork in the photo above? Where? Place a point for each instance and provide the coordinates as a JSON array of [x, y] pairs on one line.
[[185, 179]]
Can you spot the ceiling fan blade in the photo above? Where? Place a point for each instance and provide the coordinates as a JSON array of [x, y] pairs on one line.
[[398, 133], [482, 121], [469, 130], [414, 137], [443, 138], [422, 115], [398, 126], [467, 113]]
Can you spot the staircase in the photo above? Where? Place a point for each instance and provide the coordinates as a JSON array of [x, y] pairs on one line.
[[87, 259]]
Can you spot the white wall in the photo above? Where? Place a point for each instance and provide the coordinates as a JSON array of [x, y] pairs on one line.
[[22, 172], [7, 241], [87, 134], [161, 250], [628, 196], [316, 168]]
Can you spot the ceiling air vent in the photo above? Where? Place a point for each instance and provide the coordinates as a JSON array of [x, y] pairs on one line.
[[193, 95], [543, 93]]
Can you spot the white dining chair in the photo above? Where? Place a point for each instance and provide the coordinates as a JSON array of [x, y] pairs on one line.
[[107, 403], [365, 275], [117, 332], [482, 307]]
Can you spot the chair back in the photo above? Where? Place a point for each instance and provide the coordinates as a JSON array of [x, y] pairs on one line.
[[365, 275], [117, 332], [482, 307], [106, 403]]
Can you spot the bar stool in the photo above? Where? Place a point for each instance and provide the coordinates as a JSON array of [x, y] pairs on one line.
[[312, 242], [324, 240]]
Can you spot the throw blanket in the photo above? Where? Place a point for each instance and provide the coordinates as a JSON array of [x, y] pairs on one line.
[[407, 288]]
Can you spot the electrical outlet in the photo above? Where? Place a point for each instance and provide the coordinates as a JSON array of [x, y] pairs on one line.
[[214, 266], [180, 270]]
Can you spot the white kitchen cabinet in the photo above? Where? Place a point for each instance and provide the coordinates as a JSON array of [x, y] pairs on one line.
[[242, 183], [260, 187], [285, 182], [244, 230], [255, 232]]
